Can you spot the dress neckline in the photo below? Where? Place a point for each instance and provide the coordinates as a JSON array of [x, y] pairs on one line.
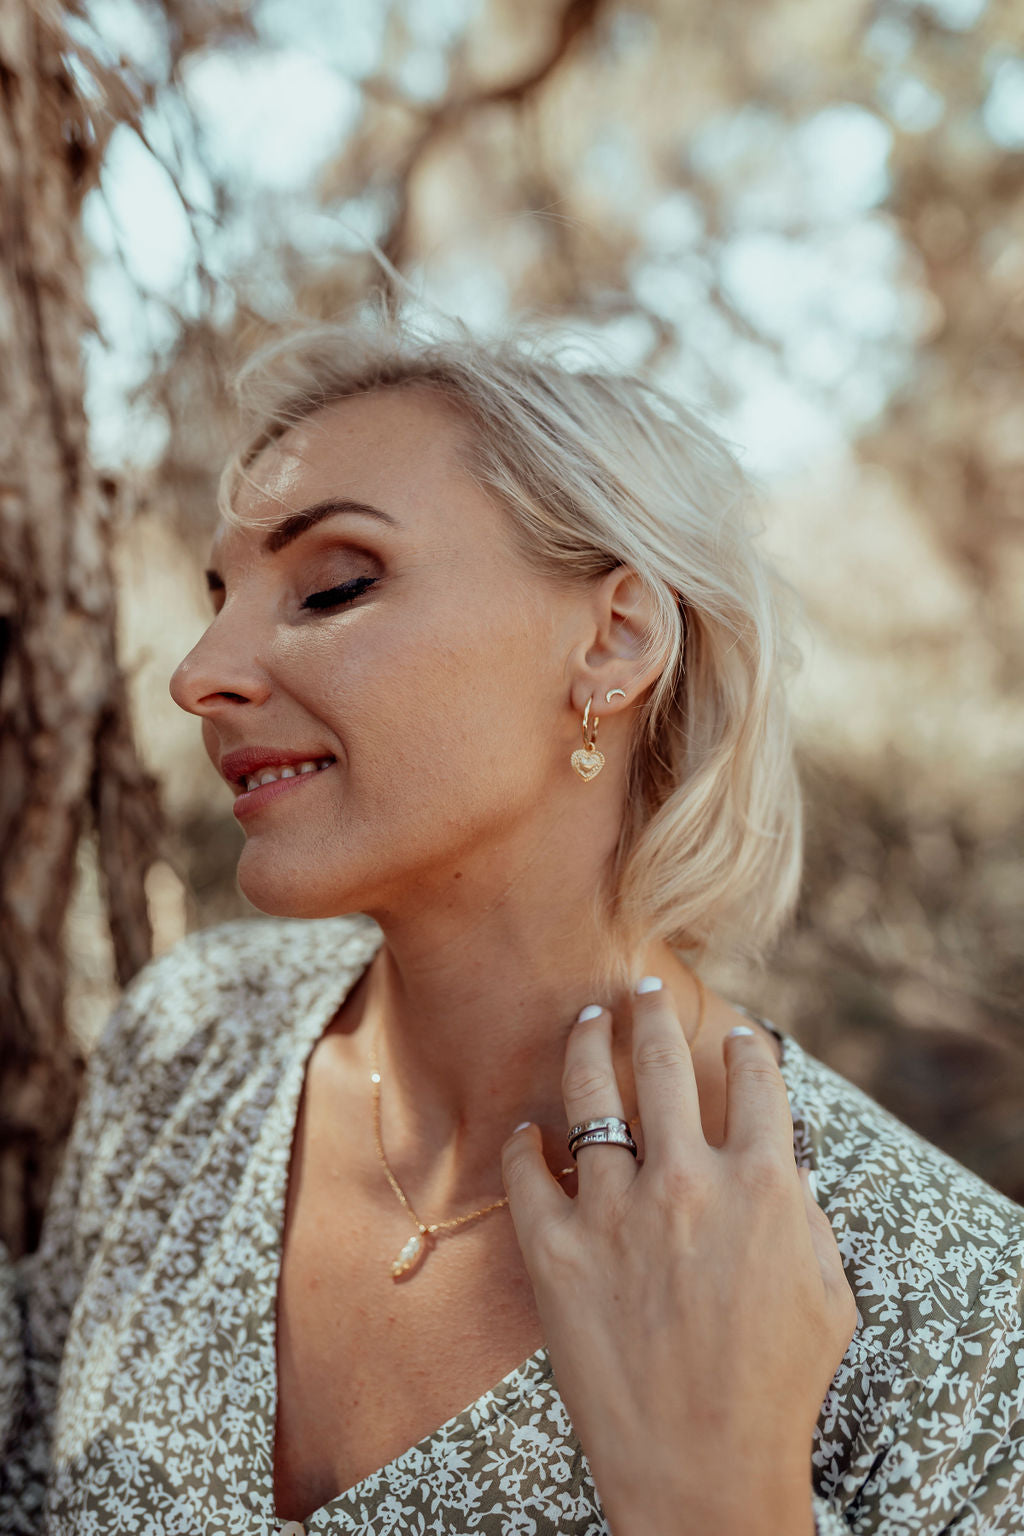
[[279, 1129]]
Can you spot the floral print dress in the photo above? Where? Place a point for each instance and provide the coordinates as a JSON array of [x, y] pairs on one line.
[[137, 1346]]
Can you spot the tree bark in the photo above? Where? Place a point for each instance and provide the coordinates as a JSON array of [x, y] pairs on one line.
[[67, 761]]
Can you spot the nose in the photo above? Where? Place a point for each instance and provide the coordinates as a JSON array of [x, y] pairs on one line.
[[220, 674]]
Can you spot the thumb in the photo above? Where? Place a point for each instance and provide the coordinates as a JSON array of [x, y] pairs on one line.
[[534, 1196]]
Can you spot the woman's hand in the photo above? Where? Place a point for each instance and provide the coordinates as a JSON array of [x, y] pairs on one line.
[[695, 1306]]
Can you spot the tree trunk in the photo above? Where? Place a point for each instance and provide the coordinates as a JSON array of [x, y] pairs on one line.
[[67, 761]]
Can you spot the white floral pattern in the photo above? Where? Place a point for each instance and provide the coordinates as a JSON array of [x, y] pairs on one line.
[[137, 1371]]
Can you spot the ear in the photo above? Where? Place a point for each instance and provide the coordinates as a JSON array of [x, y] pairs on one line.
[[619, 614]]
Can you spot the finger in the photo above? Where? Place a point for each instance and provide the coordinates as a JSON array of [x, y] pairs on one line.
[[666, 1088], [590, 1089], [535, 1197], [757, 1113]]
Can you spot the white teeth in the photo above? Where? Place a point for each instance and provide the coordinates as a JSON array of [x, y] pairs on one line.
[[286, 771]]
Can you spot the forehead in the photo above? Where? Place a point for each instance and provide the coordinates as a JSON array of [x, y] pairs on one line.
[[400, 449]]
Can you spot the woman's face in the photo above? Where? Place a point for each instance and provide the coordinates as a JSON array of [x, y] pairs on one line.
[[410, 653]]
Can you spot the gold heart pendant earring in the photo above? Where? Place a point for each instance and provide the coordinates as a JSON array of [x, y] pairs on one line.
[[587, 760]]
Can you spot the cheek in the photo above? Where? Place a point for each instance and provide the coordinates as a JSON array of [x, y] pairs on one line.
[[407, 806], [443, 721], [443, 678]]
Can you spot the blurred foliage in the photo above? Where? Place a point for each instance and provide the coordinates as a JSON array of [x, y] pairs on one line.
[[764, 201]]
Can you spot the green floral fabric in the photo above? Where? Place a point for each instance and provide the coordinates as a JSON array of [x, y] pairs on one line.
[[137, 1368]]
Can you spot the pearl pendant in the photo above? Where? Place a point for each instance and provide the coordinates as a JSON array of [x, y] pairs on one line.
[[411, 1256]]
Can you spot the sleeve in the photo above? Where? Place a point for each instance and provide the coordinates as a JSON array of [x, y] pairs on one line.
[[828, 1521], [38, 1293], [996, 1505], [993, 1503], [956, 1465]]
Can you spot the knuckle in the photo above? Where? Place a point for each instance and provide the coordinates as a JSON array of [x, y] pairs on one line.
[[766, 1175], [513, 1168], [762, 1072], [585, 1080], [680, 1183], [614, 1215], [656, 1056], [515, 1165]]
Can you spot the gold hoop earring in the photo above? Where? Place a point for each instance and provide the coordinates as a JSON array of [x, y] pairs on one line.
[[587, 760]]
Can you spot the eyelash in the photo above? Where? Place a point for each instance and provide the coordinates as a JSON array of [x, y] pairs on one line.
[[334, 597]]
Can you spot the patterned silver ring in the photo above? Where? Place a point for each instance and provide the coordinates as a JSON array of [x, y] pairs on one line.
[[609, 1122], [606, 1131]]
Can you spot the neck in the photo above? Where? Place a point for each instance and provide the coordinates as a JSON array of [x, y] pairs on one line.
[[470, 1001]]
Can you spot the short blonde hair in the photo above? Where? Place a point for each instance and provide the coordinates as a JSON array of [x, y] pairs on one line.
[[599, 469]]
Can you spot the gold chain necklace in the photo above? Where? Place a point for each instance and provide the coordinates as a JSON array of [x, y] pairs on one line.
[[415, 1250]]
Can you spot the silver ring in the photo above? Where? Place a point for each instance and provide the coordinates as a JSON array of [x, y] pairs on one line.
[[602, 1122], [605, 1138], [605, 1131]]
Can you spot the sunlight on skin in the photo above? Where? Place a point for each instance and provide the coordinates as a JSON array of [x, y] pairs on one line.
[[450, 693]]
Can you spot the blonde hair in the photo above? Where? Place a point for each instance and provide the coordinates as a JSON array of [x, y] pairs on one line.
[[599, 469]]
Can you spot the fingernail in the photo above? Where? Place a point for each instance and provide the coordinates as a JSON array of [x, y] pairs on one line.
[[522, 1126], [812, 1181], [739, 1029], [591, 1011], [648, 984]]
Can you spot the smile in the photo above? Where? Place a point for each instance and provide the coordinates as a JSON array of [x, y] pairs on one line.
[[270, 775], [272, 782]]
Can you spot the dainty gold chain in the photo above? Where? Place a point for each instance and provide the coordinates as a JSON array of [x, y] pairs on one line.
[[431, 1227], [453, 1222]]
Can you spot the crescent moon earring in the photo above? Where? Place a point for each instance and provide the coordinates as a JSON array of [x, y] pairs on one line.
[[616, 693], [587, 760]]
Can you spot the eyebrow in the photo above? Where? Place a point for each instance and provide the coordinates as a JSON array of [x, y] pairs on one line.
[[297, 523]]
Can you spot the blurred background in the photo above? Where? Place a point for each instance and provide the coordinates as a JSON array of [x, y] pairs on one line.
[[806, 218]]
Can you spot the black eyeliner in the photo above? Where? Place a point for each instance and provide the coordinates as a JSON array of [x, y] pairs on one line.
[[333, 597]]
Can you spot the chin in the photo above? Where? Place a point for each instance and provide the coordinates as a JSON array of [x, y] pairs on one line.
[[282, 892]]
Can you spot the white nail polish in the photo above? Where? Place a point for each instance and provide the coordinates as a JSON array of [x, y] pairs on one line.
[[739, 1029], [649, 984], [591, 1011], [522, 1126]]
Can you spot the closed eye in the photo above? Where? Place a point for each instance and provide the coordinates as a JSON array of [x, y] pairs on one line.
[[334, 597]]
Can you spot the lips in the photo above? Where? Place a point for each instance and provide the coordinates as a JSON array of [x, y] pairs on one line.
[[244, 763]]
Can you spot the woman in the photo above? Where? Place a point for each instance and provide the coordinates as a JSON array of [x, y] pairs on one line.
[[494, 677]]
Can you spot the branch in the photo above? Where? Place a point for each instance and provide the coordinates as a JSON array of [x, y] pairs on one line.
[[576, 19]]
